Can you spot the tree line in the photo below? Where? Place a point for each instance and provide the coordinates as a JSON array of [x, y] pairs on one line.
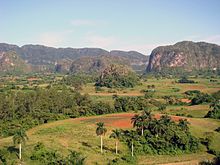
[[39, 106]]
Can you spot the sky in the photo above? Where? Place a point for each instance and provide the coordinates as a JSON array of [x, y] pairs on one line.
[[139, 25]]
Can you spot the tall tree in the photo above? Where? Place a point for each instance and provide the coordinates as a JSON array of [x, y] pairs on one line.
[[183, 123], [20, 137], [116, 134], [157, 127], [131, 138], [100, 131], [140, 121], [215, 110]]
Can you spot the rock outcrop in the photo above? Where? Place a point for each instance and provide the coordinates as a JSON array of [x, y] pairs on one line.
[[185, 55], [11, 62]]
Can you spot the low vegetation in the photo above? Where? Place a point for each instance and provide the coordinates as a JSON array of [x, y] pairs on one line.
[[215, 110], [185, 80], [40, 101], [49, 156]]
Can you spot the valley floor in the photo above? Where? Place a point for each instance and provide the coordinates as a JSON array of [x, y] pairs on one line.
[[79, 134]]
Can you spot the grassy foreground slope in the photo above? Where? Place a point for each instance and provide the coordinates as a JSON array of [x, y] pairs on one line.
[[79, 134]]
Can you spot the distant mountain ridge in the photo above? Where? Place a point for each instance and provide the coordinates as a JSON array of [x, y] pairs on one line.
[[186, 55], [97, 64], [62, 58]]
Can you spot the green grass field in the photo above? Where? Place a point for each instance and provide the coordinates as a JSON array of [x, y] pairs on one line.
[[163, 87], [80, 135]]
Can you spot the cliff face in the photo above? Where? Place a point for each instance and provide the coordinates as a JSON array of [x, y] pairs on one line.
[[186, 55], [11, 62]]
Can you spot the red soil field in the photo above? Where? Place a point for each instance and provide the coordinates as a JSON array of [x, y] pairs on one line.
[[122, 120], [185, 100]]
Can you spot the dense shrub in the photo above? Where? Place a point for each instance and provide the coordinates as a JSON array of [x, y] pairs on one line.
[[173, 100], [192, 92], [217, 129], [216, 95], [185, 80], [149, 94], [44, 105], [215, 110], [201, 98], [52, 157], [162, 136], [101, 108], [124, 104], [4, 154], [77, 80], [117, 77]]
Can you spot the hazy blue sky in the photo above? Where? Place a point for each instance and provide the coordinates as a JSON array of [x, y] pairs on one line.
[[110, 24]]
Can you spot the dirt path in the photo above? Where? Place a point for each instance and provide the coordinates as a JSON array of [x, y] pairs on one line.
[[119, 94], [192, 162]]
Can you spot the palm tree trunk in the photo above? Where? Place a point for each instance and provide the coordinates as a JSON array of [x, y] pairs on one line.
[[20, 151], [142, 131], [101, 143], [132, 149], [116, 147]]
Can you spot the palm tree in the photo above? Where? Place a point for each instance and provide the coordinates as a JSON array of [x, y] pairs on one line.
[[157, 127], [100, 131], [140, 121], [183, 123], [20, 137], [116, 134], [166, 120], [132, 136]]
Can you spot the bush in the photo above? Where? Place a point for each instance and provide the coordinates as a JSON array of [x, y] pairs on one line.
[[201, 98], [185, 80], [125, 104], [192, 92], [217, 129], [129, 159], [175, 89], [98, 89], [149, 94], [101, 108], [162, 136], [215, 111], [3, 156], [162, 107], [49, 156], [216, 95]]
